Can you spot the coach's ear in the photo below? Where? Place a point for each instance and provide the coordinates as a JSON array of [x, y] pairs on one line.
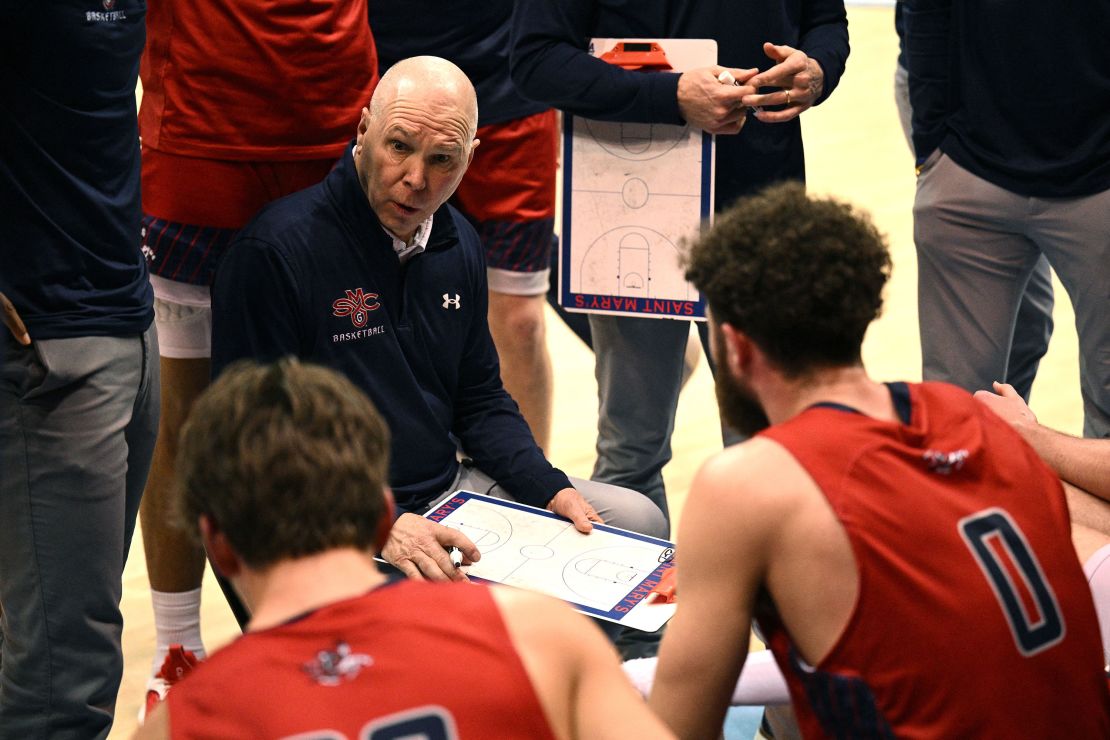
[[219, 550], [386, 522]]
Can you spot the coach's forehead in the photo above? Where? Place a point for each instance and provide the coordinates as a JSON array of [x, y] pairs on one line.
[[428, 91]]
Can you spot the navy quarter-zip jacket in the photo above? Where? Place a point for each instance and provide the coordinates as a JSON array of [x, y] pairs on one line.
[[314, 275]]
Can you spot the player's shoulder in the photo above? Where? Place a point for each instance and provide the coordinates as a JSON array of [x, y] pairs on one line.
[[756, 467], [515, 603], [534, 618], [550, 638], [750, 490]]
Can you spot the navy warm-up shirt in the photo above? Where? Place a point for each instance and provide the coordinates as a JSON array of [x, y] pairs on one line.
[[474, 34], [315, 276], [69, 167], [1015, 92], [550, 65]]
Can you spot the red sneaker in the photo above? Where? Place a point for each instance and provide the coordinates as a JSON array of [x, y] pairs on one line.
[[179, 663]]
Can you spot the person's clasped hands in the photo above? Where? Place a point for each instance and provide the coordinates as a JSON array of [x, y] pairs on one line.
[[799, 78], [718, 99], [714, 106]]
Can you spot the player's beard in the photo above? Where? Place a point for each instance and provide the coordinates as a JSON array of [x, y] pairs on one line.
[[739, 407]]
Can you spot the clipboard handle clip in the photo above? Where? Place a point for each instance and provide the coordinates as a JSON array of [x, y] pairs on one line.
[[646, 56]]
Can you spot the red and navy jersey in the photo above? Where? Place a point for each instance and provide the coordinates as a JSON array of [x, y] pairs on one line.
[[276, 81], [407, 659], [973, 617]]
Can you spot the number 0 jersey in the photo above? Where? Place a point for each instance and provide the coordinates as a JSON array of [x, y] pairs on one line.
[[973, 617], [406, 659]]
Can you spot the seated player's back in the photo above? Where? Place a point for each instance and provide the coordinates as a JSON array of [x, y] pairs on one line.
[[405, 659], [973, 617]]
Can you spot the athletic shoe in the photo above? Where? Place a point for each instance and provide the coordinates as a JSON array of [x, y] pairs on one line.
[[178, 664]]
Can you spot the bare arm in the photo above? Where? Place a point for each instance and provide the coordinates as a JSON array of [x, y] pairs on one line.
[[760, 683], [156, 726], [1085, 463], [575, 671], [721, 560]]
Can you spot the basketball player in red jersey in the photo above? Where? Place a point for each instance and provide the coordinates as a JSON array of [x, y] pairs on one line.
[[283, 468], [905, 553], [1083, 465], [243, 103]]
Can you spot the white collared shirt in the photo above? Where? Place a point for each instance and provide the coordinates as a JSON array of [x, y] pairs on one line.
[[405, 252]]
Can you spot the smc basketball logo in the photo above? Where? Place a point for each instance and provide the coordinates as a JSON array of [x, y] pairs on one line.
[[108, 15], [357, 305]]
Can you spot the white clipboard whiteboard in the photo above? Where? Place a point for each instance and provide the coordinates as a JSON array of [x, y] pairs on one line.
[[632, 192], [606, 574]]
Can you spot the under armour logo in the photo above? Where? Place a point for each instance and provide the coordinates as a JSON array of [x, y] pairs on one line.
[[448, 301]]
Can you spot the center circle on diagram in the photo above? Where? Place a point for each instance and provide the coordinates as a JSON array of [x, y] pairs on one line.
[[635, 193], [537, 552]]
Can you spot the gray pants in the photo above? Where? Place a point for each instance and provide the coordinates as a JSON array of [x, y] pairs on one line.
[[977, 246], [1034, 322], [78, 420], [617, 506], [639, 365]]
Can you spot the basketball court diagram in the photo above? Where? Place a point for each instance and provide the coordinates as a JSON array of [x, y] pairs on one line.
[[607, 573], [633, 192], [633, 261]]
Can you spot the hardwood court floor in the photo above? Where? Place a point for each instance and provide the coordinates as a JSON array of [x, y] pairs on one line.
[[855, 150]]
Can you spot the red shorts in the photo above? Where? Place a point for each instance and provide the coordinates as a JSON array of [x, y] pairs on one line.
[[192, 207], [509, 191]]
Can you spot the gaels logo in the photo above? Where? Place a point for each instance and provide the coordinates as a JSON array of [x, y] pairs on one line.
[[945, 462], [333, 667], [357, 305], [109, 4]]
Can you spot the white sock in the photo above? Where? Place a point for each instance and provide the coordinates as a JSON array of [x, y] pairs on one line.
[[760, 682], [176, 621], [1097, 570]]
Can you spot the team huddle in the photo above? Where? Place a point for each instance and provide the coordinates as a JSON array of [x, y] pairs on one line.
[[349, 329]]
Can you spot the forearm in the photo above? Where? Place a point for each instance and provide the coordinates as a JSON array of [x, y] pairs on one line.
[[760, 683], [549, 63], [1085, 463], [495, 435], [488, 423], [824, 38], [694, 708]]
